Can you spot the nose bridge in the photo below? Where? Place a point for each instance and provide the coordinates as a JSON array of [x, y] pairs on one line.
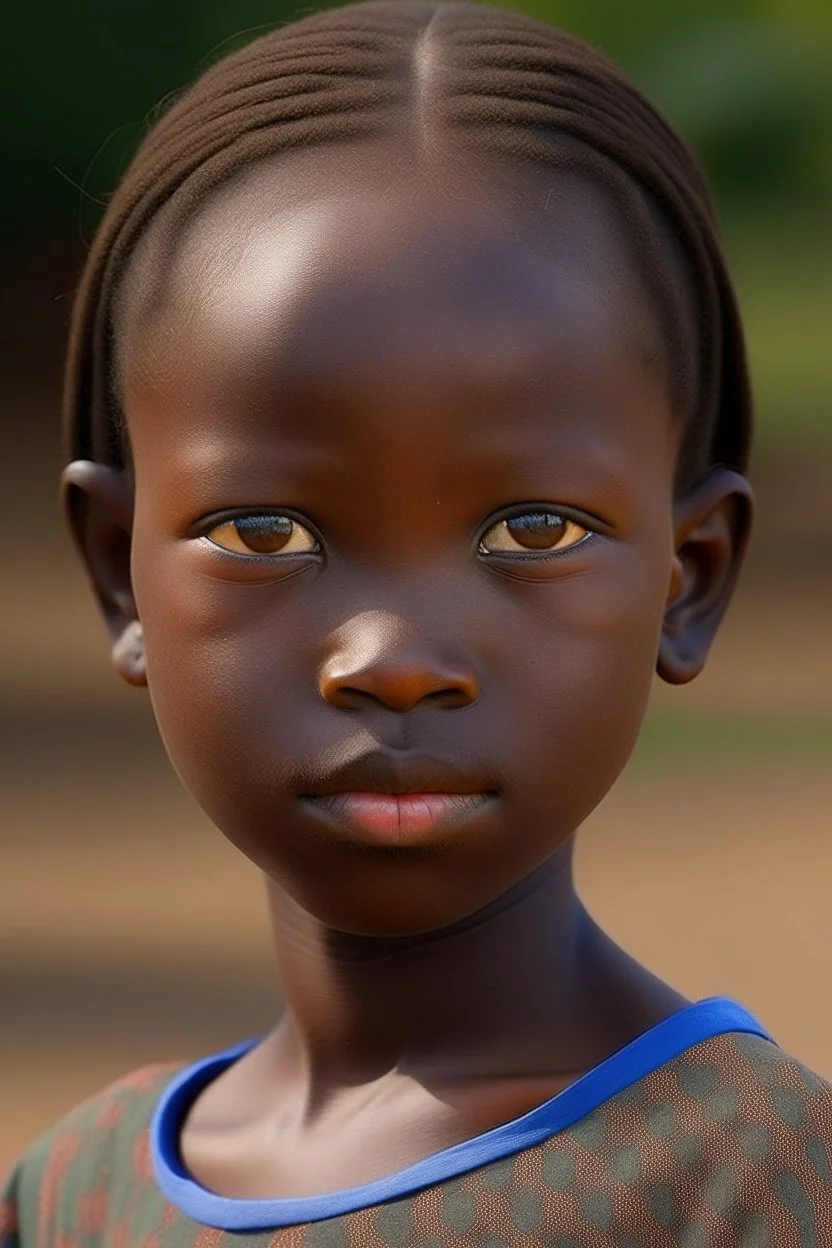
[[379, 656]]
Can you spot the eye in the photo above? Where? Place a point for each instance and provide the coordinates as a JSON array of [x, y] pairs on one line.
[[263, 534], [533, 532]]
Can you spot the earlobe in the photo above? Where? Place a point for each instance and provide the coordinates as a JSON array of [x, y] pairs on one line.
[[128, 655], [712, 526], [97, 502]]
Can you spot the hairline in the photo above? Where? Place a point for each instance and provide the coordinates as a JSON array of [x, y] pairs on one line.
[[145, 280]]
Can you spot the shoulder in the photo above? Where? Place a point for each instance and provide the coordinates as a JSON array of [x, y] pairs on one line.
[[77, 1162], [744, 1087], [747, 1074], [755, 1124], [730, 1141]]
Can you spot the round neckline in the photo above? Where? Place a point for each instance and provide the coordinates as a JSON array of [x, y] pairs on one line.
[[661, 1043]]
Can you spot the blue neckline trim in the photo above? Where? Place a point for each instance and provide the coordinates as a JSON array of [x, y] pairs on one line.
[[655, 1047]]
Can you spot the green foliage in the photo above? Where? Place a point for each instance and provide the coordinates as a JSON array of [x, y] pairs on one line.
[[781, 264], [753, 99], [690, 739], [79, 83], [746, 81]]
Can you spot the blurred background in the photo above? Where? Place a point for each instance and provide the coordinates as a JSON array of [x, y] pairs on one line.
[[129, 931]]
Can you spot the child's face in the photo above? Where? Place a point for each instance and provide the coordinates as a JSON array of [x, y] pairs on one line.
[[397, 371]]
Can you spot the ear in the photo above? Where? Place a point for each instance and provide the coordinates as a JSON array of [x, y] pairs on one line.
[[712, 524], [97, 503]]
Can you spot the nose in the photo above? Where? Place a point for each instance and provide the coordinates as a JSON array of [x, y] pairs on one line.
[[374, 658]]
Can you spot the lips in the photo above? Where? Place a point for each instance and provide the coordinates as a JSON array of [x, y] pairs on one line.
[[407, 819], [383, 799]]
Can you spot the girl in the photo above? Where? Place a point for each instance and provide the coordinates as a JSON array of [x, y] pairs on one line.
[[406, 428]]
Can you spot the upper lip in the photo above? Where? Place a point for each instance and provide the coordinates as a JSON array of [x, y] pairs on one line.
[[380, 772]]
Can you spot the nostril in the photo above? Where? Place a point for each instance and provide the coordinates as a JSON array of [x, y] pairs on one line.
[[399, 688], [388, 665], [346, 697], [450, 699]]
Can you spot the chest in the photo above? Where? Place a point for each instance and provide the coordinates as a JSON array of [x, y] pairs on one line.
[[291, 1150]]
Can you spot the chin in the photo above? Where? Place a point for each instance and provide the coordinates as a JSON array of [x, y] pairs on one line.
[[409, 902], [406, 894]]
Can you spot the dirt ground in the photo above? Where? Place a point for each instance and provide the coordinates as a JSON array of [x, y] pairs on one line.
[[146, 939]]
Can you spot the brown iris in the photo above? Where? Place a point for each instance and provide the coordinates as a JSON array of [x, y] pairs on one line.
[[538, 531], [533, 531], [263, 534]]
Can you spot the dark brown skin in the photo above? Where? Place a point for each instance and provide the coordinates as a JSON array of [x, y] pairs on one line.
[[404, 361]]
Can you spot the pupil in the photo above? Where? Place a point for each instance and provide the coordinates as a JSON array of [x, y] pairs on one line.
[[537, 530], [264, 534]]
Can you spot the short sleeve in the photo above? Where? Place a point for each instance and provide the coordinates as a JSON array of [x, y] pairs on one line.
[[10, 1210], [22, 1193], [63, 1182]]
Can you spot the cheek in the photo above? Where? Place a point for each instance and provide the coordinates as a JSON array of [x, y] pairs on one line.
[[568, 668], [225, 663], [584, 666]]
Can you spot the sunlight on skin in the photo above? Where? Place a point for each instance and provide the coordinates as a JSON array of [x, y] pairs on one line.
[[364, 640]]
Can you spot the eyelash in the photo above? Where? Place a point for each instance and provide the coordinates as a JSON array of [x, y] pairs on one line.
[[543, 556], [207, 525], [225, 517], [585, 522]]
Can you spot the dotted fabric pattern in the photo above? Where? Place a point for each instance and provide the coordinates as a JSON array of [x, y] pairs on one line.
[[727, 1146]]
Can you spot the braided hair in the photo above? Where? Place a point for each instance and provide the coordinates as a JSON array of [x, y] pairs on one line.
[[489, 79]]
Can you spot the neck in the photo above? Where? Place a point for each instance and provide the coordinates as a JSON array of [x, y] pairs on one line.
[[516, 989]]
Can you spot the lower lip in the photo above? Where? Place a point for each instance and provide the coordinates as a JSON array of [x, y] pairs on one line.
[[402, 818]]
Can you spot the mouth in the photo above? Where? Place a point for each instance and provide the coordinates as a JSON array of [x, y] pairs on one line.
[[386, 800], [398, 818]]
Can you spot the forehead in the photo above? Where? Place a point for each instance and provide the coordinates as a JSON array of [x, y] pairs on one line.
[[336, 247], [342, 309]]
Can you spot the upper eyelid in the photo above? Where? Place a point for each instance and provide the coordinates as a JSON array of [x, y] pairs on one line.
[[203, 526], [202, 529], [595, 529], [565, 552], [593, 524]]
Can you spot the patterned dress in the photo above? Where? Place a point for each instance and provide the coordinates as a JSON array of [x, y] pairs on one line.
[[700, 1133]]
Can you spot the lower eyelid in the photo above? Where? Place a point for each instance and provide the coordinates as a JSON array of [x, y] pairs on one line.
[[591, 536], [253, 557]]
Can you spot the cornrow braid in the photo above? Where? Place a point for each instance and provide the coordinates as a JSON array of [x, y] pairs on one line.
[[494, 80]]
